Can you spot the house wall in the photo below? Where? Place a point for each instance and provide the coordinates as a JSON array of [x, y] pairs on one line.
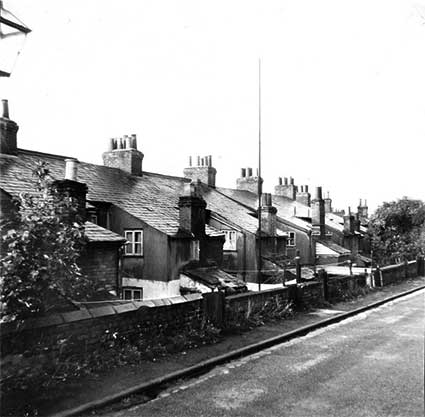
[[152, 265], [243, 261], [303, 243], [179, 253]]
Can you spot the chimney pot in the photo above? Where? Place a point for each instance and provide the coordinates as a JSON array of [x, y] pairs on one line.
[[291, 180], [134, 141], [128, 142], [111, 145], [318, 194], [71, 169], [5, 104], [268, 199], [249, 172], [306, 188], [280, 180], [286, 180], [243, 172], [302, 188]]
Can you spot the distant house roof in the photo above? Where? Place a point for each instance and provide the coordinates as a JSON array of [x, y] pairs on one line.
[[288, 210]]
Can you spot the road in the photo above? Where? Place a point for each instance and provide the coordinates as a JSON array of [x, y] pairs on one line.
[[371, 365]]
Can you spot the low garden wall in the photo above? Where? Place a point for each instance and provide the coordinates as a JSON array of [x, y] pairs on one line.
[[155, 322], [395, 273], [151, 322], [241, 307], [343, 287]]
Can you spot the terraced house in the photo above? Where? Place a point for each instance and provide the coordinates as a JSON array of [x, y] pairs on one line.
[[170, 224]]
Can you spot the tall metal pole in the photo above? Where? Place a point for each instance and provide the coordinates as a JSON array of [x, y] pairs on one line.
[[259, 177]]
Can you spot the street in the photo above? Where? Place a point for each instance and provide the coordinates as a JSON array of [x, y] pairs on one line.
[[370, 365]]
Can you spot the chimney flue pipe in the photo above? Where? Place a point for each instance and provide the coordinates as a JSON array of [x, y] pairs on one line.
[[71, 169], [5, 105]]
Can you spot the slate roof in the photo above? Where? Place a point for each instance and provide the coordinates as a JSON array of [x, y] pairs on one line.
[[228, 208], [288, 210], [153, 198], [334, 247], [214, 277], [95, 233], [285, 206]]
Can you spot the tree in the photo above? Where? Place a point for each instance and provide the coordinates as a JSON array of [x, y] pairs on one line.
[[39, 251], [397, 230]]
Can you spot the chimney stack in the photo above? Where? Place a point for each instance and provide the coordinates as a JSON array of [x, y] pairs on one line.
[[268, 215], [71, 193], [303, 196], [123, 154], [285, 189], [318, 214], [328, 203], [203, 172], [363, 212], [192, 215], [349, 225], [247, 182], [8, 132]]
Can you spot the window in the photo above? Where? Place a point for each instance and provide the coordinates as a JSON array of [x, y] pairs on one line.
[[230, 242], [132, 294], [291, 239], [134, 244]]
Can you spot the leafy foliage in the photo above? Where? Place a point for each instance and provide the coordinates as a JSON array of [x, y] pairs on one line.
[[397, 230], [40, 249]]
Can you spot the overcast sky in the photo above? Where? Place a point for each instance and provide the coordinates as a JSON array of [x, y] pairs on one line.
[[343, 87]]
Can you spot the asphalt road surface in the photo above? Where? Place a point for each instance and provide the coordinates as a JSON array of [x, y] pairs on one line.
[[371, 365]]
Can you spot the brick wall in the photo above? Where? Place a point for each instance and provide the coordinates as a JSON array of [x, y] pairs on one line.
[[151, 320], [100, 264]]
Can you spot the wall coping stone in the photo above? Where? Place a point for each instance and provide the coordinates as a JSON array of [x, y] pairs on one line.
[[141, 304], [396, 266], [102, 311], [177, 300], [122, 308], [159, 302], [250, 294], [193, 297], [76, 315], [309, 283]]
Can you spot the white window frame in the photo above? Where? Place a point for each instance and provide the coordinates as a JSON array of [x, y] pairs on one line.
[[132, 292], [291, 240], [133, 247], [230, 243]]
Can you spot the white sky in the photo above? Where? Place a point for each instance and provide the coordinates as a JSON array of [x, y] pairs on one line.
[[343, 87]]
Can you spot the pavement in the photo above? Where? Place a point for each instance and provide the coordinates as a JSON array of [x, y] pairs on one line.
[[119, 379], [368, 365]]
